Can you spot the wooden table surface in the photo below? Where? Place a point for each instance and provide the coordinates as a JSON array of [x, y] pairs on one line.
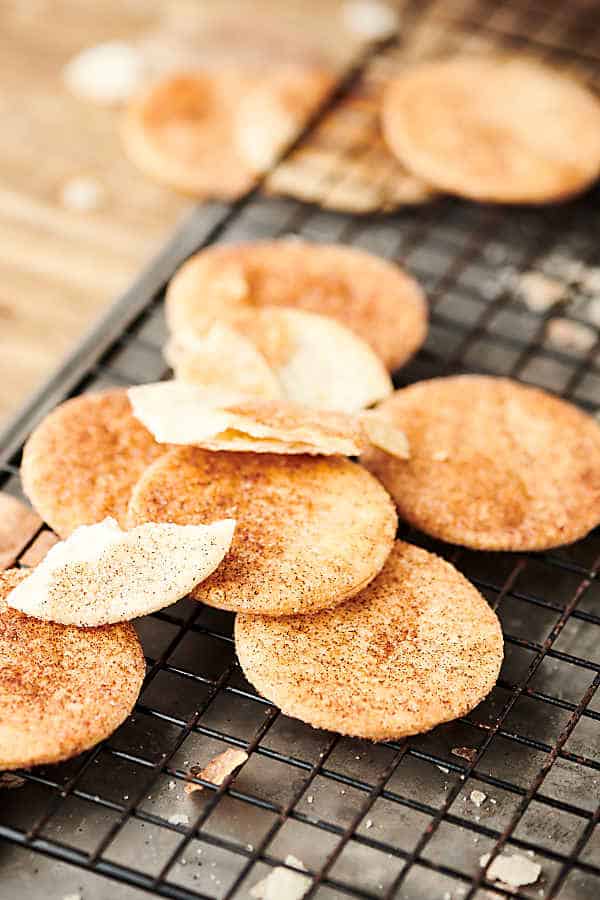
[[58, 267]]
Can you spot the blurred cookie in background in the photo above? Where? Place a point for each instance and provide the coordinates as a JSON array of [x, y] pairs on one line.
[[503, 129], [229, 94], [279, 352], [210, 133], [179, 132]]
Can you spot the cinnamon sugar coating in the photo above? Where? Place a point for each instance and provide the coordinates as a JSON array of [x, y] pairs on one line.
[[62, 689], [310, 531], [505, 128], [419, 646], [494, 464], [81, 462]]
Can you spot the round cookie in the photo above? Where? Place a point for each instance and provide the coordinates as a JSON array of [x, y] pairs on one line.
[[310, 531], [494, 465], [62, 689], [210, 133], [419, 646], [81, 462], [371, 296], [526, 134], [180, 132]]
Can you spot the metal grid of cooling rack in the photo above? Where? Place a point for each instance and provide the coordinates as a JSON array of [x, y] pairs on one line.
[[388, 820]]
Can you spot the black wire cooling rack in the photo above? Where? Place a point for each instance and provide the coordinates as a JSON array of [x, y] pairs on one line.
[[366, 820]]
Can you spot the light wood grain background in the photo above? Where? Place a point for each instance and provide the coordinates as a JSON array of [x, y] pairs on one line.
[[58, 267]]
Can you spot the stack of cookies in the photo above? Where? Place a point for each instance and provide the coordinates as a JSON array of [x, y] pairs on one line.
[[265, 479]]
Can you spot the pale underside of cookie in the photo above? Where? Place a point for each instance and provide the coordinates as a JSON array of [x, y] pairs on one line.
[[179, 413], [222, 358], [418, 647], [101, 575], [494, 464], [345, 164], [303, 357], [330, 367], [62, 689], [81, 462], [527, 134], [370, 296], [274, 111], [310, 531]]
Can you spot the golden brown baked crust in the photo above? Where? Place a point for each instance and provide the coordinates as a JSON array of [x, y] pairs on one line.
[[417, 647], [494, 464], [81, 462], [372, 297], [503, 129], [310, 531], [62, 689]]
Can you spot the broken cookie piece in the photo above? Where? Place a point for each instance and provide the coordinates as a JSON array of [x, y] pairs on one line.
[[102, 575], [283, 883], [282, 352], [217, 770], [513, 870], [179, 413], [222, 358]]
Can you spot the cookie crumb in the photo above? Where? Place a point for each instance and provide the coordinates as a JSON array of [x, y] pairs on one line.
[[218, 769], [81, 194], [283, 883], [589, 279], [477, 797], [539, 292], [569, 335], [370, 19], [512, 870], [107, 74], [179, 819], [592, 312], [9, 782], [467, 753]]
